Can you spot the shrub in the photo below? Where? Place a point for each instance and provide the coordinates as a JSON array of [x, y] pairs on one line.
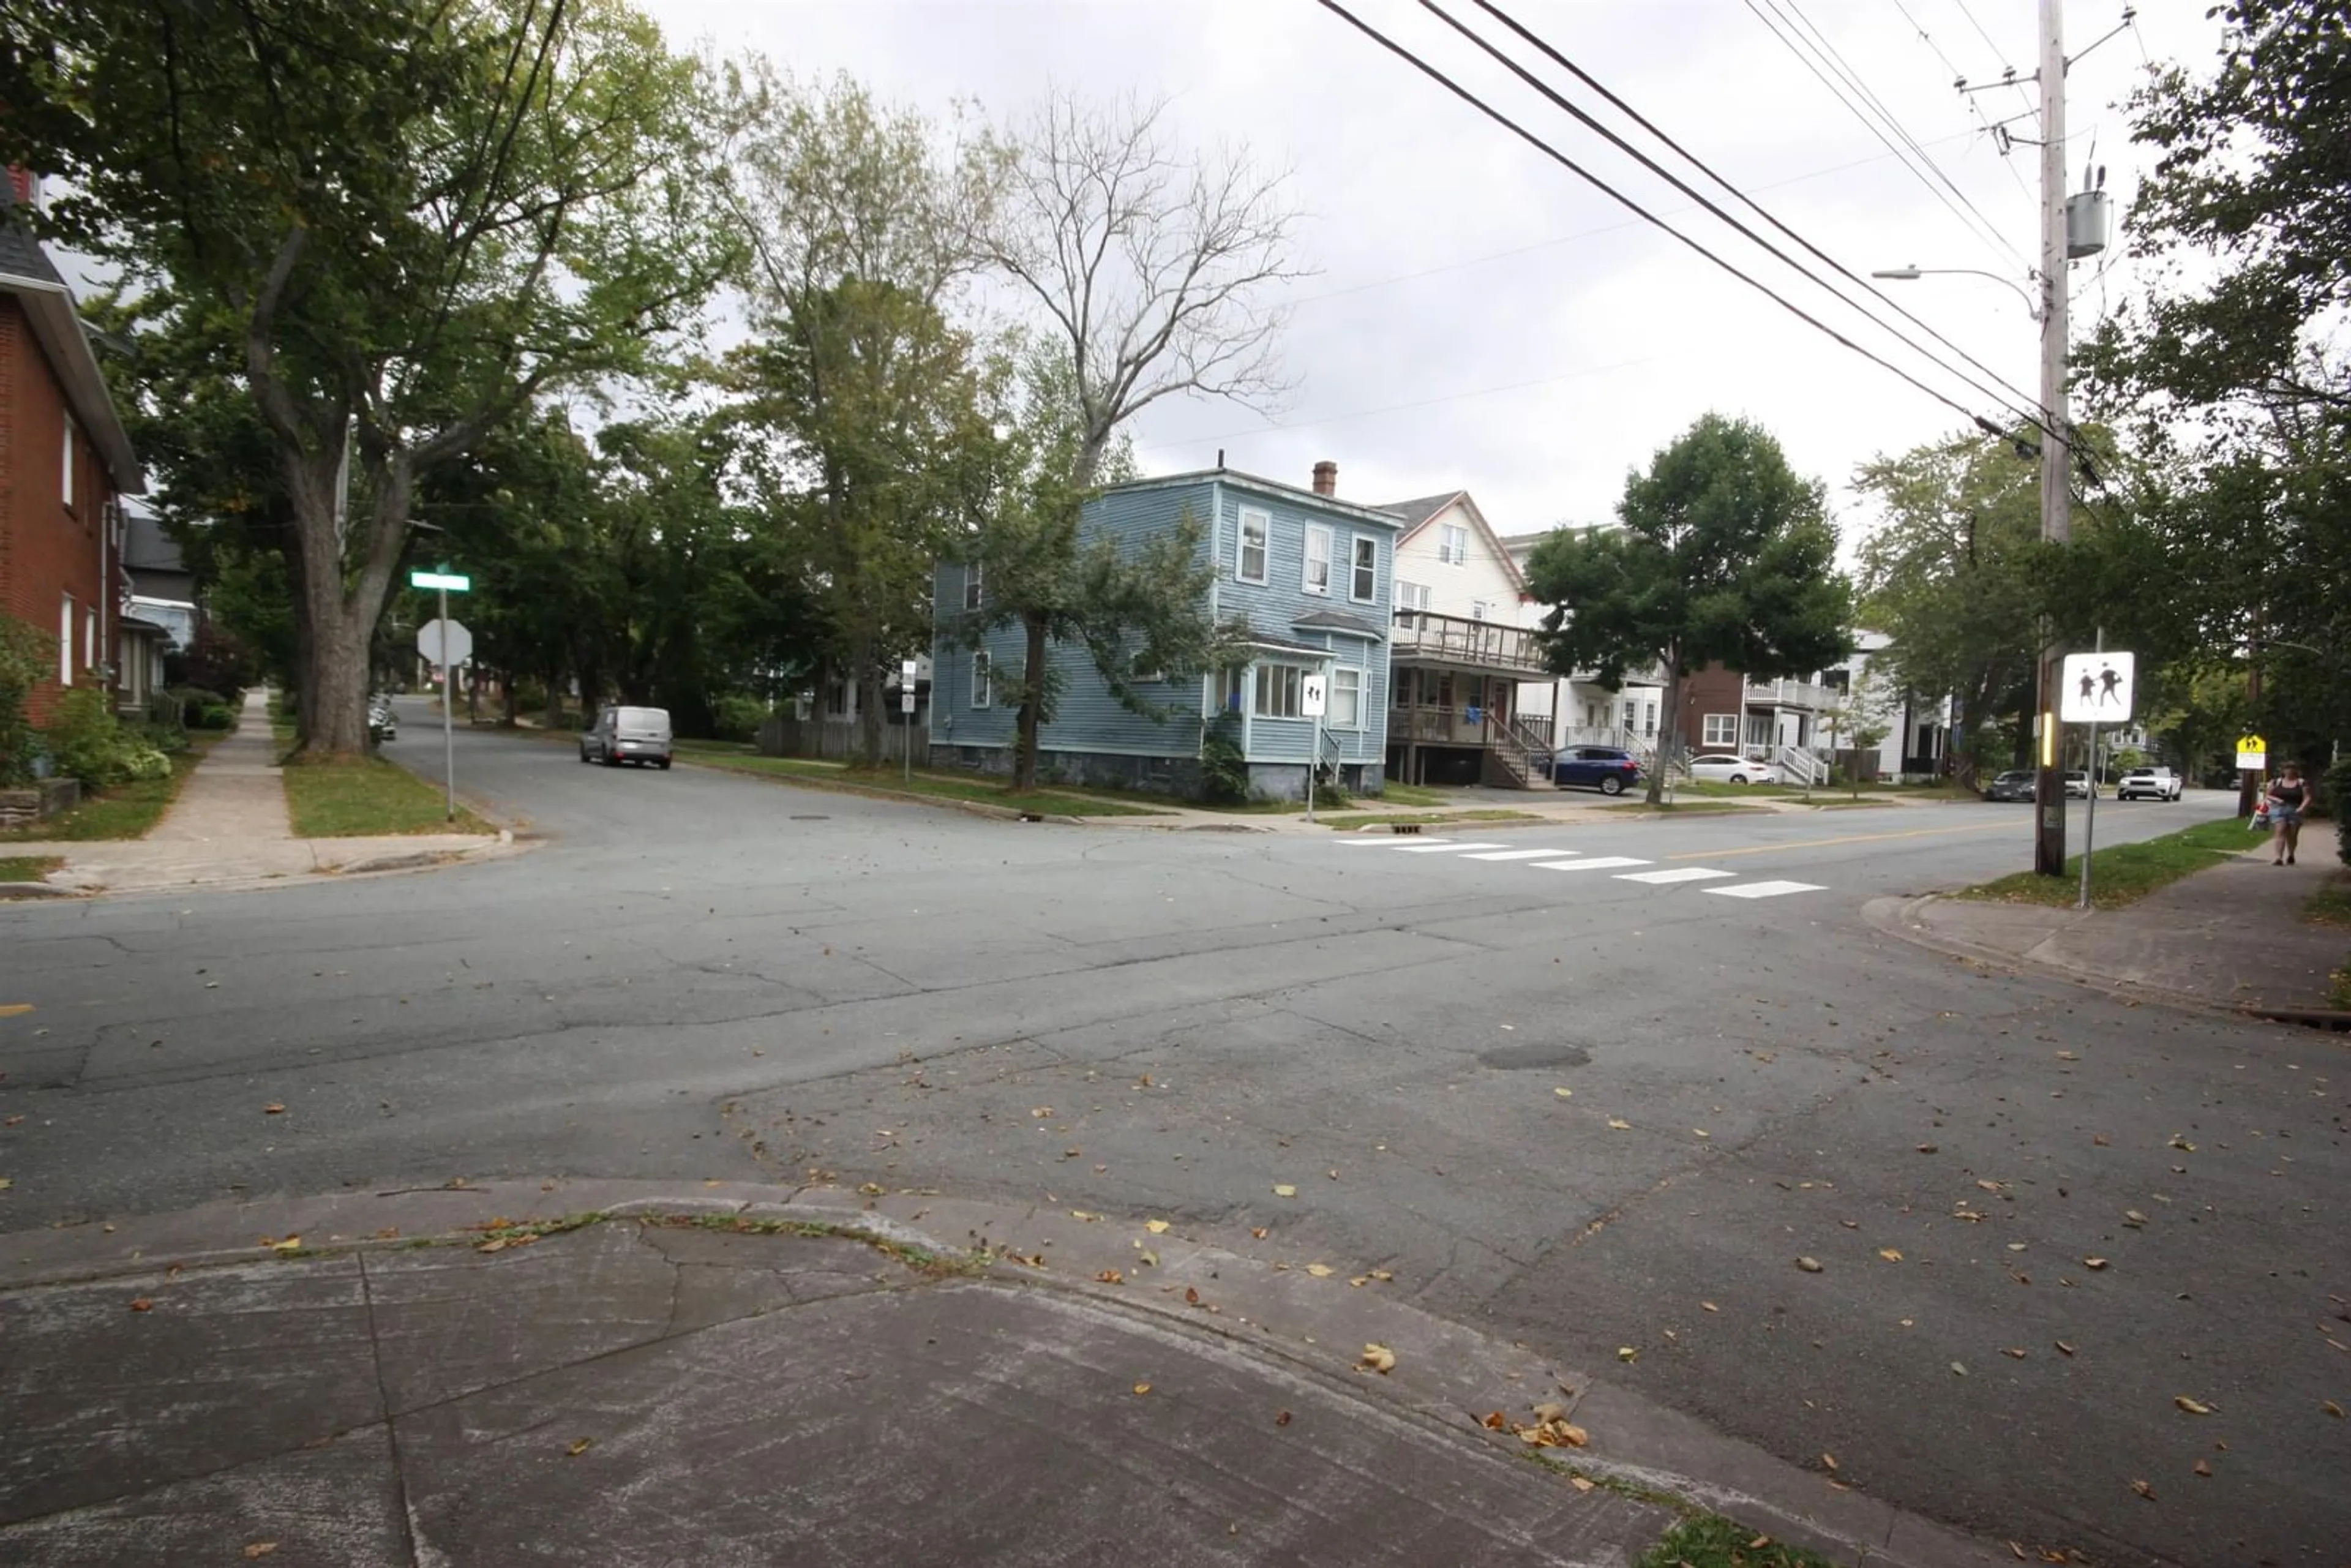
[[738, 718], [2338, 794], [90, 744], [24, 657], [216, 715], [1224, 767]]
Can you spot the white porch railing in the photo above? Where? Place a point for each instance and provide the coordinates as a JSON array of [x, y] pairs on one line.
[[1799, 766], [1794, 693]]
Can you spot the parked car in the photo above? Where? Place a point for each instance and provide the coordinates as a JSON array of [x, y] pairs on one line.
[[2077, 785], [1607, 769], [1726, 768], [2016, 784], [2148, 783], [382, 723], [628, 734]]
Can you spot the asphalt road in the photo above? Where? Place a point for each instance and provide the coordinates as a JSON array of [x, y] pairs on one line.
[[704, 975]]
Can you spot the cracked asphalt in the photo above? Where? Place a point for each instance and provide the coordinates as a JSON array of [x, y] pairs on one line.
[[707, 977]]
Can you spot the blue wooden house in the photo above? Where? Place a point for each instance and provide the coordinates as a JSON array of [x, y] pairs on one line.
[[1304, 583]]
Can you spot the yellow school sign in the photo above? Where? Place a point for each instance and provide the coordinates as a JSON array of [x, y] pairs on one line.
[[2252, 754]]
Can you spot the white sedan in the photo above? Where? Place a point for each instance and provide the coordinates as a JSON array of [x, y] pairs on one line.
[[1725, 769]]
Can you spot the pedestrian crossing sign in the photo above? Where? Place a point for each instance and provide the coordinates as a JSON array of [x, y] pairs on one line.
[[2096, 688], [2252, 754]]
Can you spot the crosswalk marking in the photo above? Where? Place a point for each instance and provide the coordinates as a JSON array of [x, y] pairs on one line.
[[1764, 889], [1425, 848], [1598, 862], [1676, 874], [1519, 855]]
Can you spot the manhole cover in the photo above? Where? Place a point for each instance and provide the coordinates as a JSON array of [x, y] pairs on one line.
[[1521, 1057]]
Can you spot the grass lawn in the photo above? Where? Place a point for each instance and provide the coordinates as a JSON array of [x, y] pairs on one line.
[[28, 868], [2331, 904], [1395, 794], [2126, 874], [1709, 789], [1707, 1541], [1698, 808], [125, 811], [1426, 819], [935, 786], [345, 797]]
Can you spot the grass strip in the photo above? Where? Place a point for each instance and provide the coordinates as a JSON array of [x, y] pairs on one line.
[[1427, 819], [365, 797], [1708, 1540], [1395, 794], [28, 868], [1685, 808], [2331, 904], [125, 811], [924, 785], [2122, 874]]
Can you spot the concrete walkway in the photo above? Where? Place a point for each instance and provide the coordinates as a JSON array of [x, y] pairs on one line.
[[751, 1374], [2232, 937], [229, 828]]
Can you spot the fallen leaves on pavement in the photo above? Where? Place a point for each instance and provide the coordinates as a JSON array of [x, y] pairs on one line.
[[1619, 1124], [1809, 1265], [1111, 1277], [1285, 1190], [1378, 1358], [2193, 1406], [142, 1304], [275, 1108], [1891, 1254], [2143, 1490], [1156, 1226], [580, 1446]]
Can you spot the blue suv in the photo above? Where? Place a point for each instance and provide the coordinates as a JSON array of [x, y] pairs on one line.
[[1610, 769]]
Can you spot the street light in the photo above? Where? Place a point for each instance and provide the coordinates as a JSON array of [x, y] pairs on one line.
[[1912, 274]]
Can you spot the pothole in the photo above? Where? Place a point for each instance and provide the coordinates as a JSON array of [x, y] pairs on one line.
[[1524, 1058]]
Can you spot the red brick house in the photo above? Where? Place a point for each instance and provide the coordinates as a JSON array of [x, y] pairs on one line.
[[65, 459]]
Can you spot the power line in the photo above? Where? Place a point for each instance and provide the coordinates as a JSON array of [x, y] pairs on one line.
[[1980, 225], [1512, 125], [1272, 426], [1585, 234], [1959, 80], [2006, 392]]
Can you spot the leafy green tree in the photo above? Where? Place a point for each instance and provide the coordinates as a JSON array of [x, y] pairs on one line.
[[858, 403], [409, 219], [1725, 557], [1141, 609]]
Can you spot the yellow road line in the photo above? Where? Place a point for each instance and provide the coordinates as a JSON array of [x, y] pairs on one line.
[[10, 1009], [1847, 839]]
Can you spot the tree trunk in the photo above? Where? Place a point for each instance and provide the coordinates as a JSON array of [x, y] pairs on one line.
[[1669, 732], [1031, 720], [341, 619], [864, 678], [554, 696]]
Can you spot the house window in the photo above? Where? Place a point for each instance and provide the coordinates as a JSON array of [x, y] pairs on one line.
[[1346, 698], [983, 680], [1251, 566], [1279, 691], [1632, 715], [89, 639], [64, 642], [1651, 727], [65, 476], [1477, 608], [972, 588], [1316, 577], [1720, 729], [1412, 595], [1365, 587], [1453, 546], [1225, 691]]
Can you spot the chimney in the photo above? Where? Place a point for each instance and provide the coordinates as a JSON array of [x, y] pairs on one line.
[[1326, 478]]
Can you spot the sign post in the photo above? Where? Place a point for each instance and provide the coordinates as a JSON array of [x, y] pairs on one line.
[[2096, 689], [906, 712], [1313, 693], [445, 643]]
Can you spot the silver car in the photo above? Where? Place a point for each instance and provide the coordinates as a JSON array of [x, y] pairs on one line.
[[1725, 769], [628, 734]]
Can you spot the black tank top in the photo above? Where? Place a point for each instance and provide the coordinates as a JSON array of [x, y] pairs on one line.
[[2286, 794]]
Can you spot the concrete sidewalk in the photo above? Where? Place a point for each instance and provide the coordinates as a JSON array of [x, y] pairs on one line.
[[2231, 937], [229, 829], [751, 1374]]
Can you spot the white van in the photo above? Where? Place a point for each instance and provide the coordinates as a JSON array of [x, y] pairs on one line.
[[628, 734]]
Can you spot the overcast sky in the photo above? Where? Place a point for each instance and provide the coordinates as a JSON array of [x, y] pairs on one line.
[[1480, 317]]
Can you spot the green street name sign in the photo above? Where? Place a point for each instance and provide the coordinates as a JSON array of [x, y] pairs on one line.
[[450, 581]]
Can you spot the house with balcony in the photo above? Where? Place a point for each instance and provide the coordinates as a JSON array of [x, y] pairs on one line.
[[65, 462], [1472, 692], [1301, 585]]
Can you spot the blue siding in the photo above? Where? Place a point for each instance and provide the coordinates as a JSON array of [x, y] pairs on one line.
[[1090, 719]]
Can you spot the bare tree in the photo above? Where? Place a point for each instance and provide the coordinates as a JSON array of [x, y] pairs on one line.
[[1153, 267]]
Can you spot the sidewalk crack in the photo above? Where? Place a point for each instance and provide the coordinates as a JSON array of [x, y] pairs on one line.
[[407, 1510]]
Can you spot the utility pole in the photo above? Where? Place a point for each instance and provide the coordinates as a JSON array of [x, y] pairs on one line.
[[2056, 452]]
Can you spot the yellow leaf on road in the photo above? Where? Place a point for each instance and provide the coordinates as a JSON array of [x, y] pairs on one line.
[[258, 1550], [1891, 1254], [1626, 1353], [1156, 1226], [2143, 1490], [2331, 1408], [581, 1447], [1285, 1190], [1142, 1388], [1319, 1271], [1579, 1484], [2094, 1263], [1564, 1094], [2193, 1406], [1620, 1125], [273, 1109], [1379, 1358]]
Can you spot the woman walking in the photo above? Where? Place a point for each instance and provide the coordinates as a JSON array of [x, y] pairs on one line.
[[2286, 794]]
